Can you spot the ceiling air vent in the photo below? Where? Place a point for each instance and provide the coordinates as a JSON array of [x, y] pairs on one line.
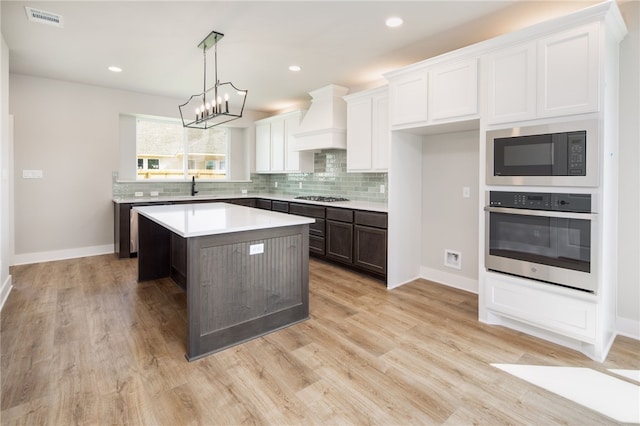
[[42, 17]]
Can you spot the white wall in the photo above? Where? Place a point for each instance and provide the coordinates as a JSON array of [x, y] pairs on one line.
[[6, 212], [450, 221], [71, 132], [628, 305]]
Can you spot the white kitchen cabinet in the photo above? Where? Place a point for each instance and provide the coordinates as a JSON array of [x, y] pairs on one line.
[[545, 306], [453, 90], [568, 72], [274, 142], [408, 99], [445, 92], [553, 76], [368, 131], [263, 147], [511, 80]]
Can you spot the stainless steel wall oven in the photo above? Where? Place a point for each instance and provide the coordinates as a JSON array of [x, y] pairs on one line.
[[549, 237]]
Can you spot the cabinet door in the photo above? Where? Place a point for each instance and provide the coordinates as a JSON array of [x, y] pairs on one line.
[[340, 241], [291, 158], [453, 90], [359, 133], [277, 146], [263, 147], [381, 134], [295, 161], [408, 99], [568, 72], [511, 75], [371, 249]]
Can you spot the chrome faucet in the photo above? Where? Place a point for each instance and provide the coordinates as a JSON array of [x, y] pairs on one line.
[[193, 186]]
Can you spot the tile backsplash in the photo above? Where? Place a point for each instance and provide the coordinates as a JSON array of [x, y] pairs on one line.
[[330, 178]]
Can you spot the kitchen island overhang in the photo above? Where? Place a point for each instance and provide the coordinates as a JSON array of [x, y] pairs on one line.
[[245, 271]]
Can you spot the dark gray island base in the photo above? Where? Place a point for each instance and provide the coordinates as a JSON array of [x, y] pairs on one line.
[[239, 285]]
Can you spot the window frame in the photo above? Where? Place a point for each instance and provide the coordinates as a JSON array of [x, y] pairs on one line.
[[185, 151]]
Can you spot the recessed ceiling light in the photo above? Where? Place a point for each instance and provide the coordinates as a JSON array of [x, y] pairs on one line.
[[393, 22], [114, 69], [295, 68]]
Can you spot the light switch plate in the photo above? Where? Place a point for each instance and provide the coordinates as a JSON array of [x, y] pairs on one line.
[[32, 174]]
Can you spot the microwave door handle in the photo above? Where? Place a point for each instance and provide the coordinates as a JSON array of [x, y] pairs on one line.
[[545, 213]]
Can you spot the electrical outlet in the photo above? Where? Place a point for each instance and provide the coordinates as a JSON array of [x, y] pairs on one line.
[[244, 192], [139, 193], [154, 193], [256, 249], [466, 192], [275, 184], [300, 185], [382, 189]]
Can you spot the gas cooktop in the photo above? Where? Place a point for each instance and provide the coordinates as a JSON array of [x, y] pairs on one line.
[[321, 198]]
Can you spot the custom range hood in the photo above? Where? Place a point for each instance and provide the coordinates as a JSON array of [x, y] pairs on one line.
[[324, 126]]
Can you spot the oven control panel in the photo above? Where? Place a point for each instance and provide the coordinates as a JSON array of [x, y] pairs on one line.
[[580, 203]]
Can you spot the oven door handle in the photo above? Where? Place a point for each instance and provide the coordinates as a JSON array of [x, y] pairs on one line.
[[545, 213]]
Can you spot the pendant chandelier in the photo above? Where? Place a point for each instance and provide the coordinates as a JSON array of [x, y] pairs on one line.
[[220, 103]]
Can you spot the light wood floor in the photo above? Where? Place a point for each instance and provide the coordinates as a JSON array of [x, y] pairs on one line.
[[83, 343]]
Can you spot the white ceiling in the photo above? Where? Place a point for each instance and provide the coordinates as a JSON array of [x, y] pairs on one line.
[[335, 42]]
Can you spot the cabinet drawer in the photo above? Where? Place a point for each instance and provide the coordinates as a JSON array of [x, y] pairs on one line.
[[247, 202], [376, 220], [307, 210], [263, 204], [317, 228], [316, 245], [340, 215], [280, 206]]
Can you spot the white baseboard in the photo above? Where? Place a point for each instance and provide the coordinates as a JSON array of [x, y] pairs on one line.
[[627, 327], [48, 256], [389, 287], [5, 289], [449, 279]]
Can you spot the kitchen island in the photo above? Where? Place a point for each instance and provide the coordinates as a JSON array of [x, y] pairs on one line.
[[245, 270]]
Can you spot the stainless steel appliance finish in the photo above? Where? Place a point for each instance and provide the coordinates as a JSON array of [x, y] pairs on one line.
[[321, 198], [542, 236], [556, 154]]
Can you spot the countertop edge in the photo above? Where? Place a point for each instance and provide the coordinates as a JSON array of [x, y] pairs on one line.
[[354, 205]]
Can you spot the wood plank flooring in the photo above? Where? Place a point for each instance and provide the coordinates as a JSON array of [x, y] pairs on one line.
[[83, 343]]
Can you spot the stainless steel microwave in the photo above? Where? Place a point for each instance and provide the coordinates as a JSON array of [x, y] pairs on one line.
[[557, 154]]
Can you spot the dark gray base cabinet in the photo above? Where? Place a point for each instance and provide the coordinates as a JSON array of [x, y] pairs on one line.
[[354, 238], [340, 235], [369, 253]]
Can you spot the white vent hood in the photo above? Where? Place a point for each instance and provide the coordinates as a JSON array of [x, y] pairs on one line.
[[324, 126]]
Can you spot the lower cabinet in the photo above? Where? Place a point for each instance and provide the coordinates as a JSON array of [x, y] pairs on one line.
[[354, 238], [340, 235], [370, 249], [316, 229]]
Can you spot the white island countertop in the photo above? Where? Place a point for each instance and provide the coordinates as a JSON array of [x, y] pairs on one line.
[[199, 219]]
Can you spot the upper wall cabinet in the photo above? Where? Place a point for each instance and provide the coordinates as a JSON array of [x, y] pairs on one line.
[[274, 143], [368, 131], [408, 99], [442, 93], [453, 90], [568, 72], [511, 76], [553, 76]]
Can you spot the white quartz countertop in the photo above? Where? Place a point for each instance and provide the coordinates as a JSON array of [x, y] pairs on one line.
[[355, 205], [199, 219]]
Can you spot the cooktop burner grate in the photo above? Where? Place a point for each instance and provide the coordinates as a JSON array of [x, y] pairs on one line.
[[321, 198]]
